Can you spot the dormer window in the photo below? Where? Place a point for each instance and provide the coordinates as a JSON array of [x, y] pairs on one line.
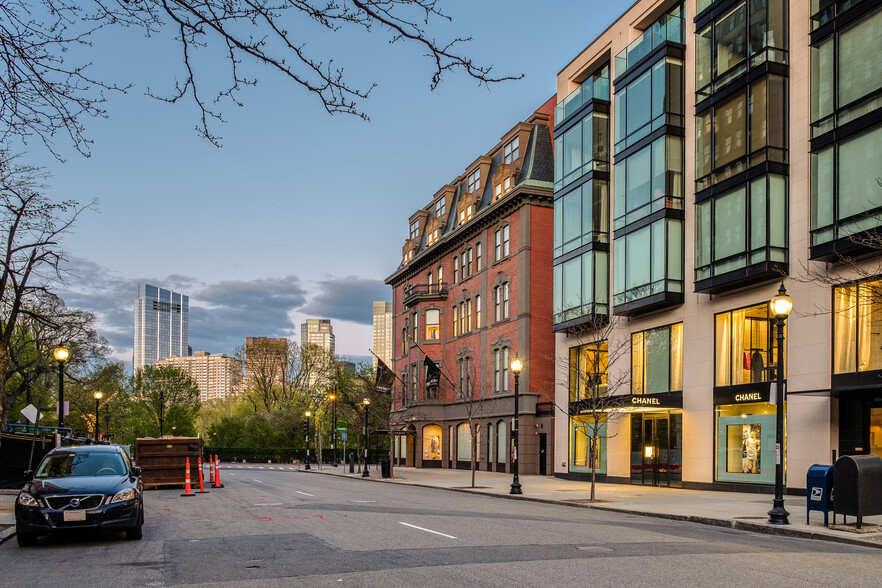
[[466, 213], [497, 192], [511, 151], [474, 181], [432, 237], [440, 207], [414, 229]]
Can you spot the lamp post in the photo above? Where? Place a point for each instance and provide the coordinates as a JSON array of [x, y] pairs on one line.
[[367, 403], [106, 423], [308, 414], [332, 398], [516, 367], [98, 396], [161, 409], [780, 307], [61, 355]]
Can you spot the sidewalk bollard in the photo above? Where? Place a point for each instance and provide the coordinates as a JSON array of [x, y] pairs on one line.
[[202, 489], [187, 491], [211, 469], [351, 462], [217, 482]]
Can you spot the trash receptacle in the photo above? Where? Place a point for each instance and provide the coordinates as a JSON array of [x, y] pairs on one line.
[[385, 468], [351, 462], [819, 491], [858, 483]]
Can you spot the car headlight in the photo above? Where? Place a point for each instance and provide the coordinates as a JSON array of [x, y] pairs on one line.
[[123, 495], [26, 499]]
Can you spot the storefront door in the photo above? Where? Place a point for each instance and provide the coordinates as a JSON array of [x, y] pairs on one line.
[[655, 449], [876, 430]]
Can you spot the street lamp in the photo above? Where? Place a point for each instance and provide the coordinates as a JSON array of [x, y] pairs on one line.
[[366, 403], [516, 367], [98, 396], [308, 414], [331, 399], [780, 307], [61, 355]]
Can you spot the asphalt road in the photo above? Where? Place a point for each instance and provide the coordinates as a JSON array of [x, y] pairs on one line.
[[272, 527]]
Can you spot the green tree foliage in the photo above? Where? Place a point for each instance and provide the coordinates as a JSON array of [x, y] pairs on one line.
[[165, 401]]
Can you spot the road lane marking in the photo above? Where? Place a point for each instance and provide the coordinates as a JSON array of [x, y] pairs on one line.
[[364, 501], [426, 530], [304, 493], [258, 481]]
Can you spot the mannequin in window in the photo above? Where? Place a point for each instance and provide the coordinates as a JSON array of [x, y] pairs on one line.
[[750, 451], [757, 366]]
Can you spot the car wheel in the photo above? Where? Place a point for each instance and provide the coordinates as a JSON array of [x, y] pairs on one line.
[[25, 539], [135, 532]]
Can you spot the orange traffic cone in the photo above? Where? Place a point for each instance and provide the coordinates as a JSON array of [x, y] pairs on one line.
[[202, 489], [187, 491], [217, 483], [211, 469]]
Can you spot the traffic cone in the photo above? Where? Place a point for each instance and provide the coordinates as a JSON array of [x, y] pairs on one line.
[[202, 489], [217, 483], [211, 469], [187, 491]]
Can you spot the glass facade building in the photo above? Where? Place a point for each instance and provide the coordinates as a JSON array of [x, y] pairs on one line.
[[162, 325]]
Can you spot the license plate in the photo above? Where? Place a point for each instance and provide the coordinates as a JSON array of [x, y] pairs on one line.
[[74, 515]]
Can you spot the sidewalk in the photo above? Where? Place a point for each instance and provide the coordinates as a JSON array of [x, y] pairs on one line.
[[723, 509], [7, 514]]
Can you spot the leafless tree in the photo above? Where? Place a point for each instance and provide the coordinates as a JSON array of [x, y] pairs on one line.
[[32, 226], [47, 88], [266, 371], [475, 394], [596, 393]]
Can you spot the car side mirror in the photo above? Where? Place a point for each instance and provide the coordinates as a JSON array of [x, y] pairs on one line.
[[136, 471], [29, 475]]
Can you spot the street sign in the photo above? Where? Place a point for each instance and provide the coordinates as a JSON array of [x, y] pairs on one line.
[[344, 436], [342, 428], [30, 413], [66, 408]]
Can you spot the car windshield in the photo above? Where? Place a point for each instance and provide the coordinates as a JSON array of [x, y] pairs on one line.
[[64, 464]]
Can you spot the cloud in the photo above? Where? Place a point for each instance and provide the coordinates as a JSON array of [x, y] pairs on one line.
[[348, 299]]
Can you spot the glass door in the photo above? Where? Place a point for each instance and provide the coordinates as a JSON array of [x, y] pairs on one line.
[[655, 449], [876, 430]]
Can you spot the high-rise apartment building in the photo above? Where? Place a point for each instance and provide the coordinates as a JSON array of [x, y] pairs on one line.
[[317, 332], [162, 319], [470, 295], [706, 151], [382, 332], [218, 376]]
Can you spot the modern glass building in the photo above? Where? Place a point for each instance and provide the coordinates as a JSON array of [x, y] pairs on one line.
[[706, 151], [162, 325]]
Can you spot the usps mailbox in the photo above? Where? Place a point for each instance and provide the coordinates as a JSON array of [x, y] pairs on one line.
[[819, 491]]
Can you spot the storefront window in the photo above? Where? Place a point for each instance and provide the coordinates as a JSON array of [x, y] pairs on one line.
[[584, 445], [501, 442], [657, 360], [746, 347], [463, 443], [431, 443], [745, 439], [857, 327]]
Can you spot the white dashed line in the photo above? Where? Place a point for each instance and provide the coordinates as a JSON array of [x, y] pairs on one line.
[[426, 530], [304, 493], [258, 481]]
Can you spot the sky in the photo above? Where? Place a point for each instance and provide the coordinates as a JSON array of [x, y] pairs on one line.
[[300, 214]]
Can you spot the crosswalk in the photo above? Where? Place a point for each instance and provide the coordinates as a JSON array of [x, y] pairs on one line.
[[290, 468]]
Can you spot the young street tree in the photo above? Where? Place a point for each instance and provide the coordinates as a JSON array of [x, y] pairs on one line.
[[47, 47], [168, 398], [31, 227], [595, 397], [474, 394]]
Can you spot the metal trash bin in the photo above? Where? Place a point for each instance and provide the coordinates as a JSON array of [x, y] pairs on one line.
[[385, 468], [858, 483], [819, 491]]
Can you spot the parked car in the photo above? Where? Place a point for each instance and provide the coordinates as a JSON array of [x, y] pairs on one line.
[[79, 488]]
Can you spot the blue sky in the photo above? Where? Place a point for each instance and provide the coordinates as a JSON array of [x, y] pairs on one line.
[[300, 214]]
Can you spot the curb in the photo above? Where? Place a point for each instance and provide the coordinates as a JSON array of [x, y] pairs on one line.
[[726, 523]]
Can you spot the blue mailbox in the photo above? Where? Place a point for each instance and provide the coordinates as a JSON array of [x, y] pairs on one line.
[[819, 491]]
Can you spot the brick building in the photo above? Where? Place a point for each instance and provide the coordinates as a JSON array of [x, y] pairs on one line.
[[472, 293]]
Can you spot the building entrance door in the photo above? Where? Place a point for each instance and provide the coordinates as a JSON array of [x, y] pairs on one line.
[[655, 449], [876, 430]]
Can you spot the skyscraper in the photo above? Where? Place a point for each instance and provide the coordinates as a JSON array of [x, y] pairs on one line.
[[382, 344], [162, 319], [317, 332]]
